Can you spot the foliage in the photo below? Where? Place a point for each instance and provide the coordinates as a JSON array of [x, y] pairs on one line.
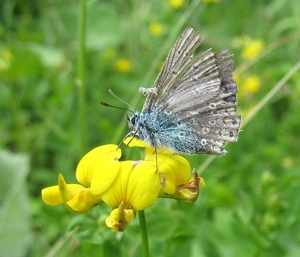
[[250, 205]]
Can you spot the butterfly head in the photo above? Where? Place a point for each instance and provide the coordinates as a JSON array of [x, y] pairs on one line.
[[133, 120]]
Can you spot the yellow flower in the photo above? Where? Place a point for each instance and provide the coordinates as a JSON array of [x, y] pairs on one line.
[[137, 186], [174, 172], [252, 49], [128, 186], [76, 198], [176, 4], [156, 29], [119, 218], [252, 84], [106, 179], [81, 198], [123, 65], [98, 161]]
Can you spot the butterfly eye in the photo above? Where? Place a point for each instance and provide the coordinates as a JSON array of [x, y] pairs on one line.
[[133, 119]]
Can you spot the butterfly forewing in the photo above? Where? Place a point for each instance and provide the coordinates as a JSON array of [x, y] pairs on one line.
[[200, 82], [178, 58]]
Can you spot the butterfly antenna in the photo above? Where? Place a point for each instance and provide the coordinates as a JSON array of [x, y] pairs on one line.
[[129, 106], [116, 107]]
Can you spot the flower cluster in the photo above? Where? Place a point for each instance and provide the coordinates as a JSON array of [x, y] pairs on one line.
[[127, 186]]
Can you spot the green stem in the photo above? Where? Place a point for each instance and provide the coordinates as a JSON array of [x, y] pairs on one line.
[[81, 80], [144, 234]]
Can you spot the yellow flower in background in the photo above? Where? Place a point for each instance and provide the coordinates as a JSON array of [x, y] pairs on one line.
[[176, 4], [156, 28], [252, 48], [252, 84], [127, 186], [123, 65]]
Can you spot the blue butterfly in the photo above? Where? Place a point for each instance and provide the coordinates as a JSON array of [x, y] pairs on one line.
[[192, 106]]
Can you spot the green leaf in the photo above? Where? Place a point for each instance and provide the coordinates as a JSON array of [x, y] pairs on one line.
[[15, 237]]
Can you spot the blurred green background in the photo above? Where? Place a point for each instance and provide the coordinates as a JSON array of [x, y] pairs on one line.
[[250, 205]]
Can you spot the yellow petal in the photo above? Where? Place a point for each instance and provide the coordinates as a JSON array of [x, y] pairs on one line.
[[137, 185], [95, 162], [116, 194], [134, 142], [52, 195], [83, 201], [119, 219], [175, 170], [143, 186], [149, 151], [112, 221], [66, 191], [187, 191], [104, 176]]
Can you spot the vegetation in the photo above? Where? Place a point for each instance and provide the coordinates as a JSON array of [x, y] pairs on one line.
[[50, 93]]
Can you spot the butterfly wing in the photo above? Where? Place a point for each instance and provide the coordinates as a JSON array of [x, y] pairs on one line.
[[200, 92], [178, 59], [205, 97]]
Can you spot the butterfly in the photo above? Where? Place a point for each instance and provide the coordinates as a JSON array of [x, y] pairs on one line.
[[192, 106]]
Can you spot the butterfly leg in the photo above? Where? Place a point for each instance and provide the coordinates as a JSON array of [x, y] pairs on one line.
[[131, 133], [156, 160]]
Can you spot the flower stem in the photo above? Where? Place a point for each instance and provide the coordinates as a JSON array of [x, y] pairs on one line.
[[144, 234], [81, 81]]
